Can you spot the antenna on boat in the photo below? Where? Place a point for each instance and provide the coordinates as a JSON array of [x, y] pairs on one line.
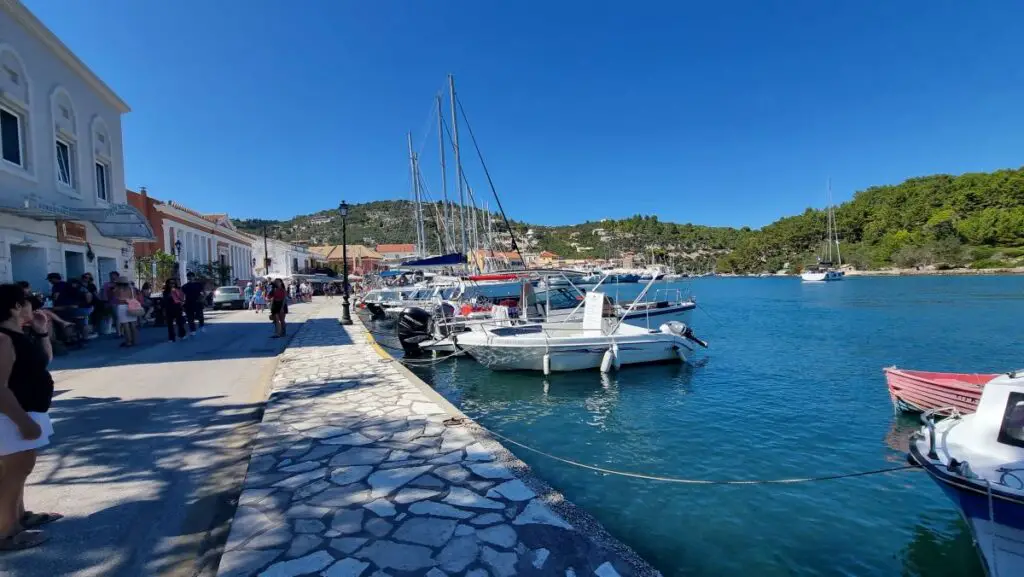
[[446, 221]]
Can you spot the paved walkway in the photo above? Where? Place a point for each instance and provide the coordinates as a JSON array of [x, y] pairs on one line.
[[150, 451], [361, 469]]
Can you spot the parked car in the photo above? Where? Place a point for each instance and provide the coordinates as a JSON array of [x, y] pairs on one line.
[[228, 297]]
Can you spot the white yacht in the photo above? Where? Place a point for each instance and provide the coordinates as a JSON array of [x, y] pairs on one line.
[[978, 461]]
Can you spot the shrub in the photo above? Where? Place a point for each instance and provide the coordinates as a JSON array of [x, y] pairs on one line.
[[989, 263], [982, 252]]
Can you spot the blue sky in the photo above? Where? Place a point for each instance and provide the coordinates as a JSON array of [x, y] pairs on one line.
[[723, 113]]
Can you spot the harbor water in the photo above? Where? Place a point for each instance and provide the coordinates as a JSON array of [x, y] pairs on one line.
[[792, 386]]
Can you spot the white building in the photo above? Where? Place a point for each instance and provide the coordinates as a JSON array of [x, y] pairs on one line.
[[286, 258], [62, 194]]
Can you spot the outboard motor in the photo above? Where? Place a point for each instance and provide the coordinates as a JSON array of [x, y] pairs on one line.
[[413, 328], [681, 330], [376, 311]]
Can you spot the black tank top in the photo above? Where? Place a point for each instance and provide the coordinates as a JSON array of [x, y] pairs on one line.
[[30, 382]]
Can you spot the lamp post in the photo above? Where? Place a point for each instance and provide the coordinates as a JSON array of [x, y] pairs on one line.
[[176, 249], [346, 318]]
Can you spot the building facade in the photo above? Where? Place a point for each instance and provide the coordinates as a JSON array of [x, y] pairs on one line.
[[63, 206], [205, 239], [397, 252], [361, 259], [286, 259]]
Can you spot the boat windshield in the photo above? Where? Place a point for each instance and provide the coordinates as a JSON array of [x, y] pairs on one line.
[[1011, 431], [563, 299], [449, 293]]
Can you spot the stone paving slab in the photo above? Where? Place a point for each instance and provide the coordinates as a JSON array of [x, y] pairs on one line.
[[361, 470]]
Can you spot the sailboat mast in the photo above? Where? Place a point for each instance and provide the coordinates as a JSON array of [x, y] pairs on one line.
[[446, 212], [415, 194], [835, 229], [458, 163]]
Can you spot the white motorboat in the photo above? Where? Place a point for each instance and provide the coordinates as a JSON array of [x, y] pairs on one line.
[[978, 461], [824, 271], [600, 340]]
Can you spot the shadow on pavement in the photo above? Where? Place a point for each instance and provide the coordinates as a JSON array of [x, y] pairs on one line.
[[173, 467]]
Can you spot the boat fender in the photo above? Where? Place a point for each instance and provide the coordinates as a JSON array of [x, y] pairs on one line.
[[681, 352], [547, 364], [607, 361], [615, 356]]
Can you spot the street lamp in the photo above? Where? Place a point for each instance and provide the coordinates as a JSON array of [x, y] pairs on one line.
[[346, 317]]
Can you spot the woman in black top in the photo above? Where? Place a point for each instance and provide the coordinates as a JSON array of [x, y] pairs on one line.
[[25, 396]]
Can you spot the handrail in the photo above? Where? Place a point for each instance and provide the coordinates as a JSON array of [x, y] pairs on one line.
[[927, 418]]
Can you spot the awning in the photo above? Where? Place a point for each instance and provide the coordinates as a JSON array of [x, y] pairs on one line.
[[120, 221], [436, 261], [31, 206]]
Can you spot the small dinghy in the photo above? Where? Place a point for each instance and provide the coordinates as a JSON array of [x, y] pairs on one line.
[[602, 340], [919, 391], [978, 461]]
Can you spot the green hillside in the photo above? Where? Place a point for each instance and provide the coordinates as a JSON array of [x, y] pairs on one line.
[[974, 219]]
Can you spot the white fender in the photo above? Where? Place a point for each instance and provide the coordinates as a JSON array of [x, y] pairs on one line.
[[607, 360], [615, 356], [547, 364], [681, 352]]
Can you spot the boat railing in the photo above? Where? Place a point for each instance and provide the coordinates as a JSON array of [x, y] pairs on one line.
[[928, 418]]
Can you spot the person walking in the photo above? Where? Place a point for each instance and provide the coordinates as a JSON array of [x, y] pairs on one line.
[[128, 310], [278, 307], [173, 302], [247, 295], [194, 303], [25, 397], [259, 299]]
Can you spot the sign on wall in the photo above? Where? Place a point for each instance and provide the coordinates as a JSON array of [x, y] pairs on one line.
[[71, 232]]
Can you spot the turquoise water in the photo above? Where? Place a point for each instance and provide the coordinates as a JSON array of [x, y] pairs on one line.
[[791, 387]]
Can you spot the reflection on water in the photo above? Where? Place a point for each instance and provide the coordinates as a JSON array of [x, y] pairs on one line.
[[943, 551], [791, 387]]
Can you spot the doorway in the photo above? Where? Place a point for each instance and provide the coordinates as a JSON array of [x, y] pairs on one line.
[[28, 263], [74, 264], [105, 266]]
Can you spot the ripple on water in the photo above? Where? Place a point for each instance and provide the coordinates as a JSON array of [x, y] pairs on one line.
[[791, 387]]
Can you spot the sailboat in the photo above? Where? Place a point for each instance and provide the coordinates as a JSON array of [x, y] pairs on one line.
[[825, 271]]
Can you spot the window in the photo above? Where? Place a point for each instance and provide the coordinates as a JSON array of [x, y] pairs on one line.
[[102, 181], [10, 130], [65, 163], [1011, 432]]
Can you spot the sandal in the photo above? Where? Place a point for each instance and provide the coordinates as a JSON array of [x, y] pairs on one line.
[[23, 540], [32, 520]]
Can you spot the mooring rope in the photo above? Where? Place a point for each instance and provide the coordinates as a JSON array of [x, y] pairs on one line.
[[679, 480]]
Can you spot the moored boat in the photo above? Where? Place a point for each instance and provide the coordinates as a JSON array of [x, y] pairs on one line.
[[919, 391], [978, 461], [602, 340]]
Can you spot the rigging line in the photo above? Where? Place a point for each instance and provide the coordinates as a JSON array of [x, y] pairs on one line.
[[487, 173], [683, 481]]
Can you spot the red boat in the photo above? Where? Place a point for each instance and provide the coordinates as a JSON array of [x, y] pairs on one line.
[[919, 391]]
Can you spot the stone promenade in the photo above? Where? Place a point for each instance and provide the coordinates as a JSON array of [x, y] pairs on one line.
[[361, 469]]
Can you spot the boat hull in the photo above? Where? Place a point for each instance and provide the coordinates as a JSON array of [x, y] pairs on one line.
[[572, 356], [919, 391], [823, 276], [653, 318], [996, 520]]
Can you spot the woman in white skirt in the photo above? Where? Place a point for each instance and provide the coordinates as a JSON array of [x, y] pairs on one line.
[[26, 390]]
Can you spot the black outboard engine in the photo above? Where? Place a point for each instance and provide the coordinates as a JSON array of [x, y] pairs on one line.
[[376, 311], [413, 328]]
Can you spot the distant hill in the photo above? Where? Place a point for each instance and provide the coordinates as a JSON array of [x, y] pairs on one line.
[[973, 219]]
